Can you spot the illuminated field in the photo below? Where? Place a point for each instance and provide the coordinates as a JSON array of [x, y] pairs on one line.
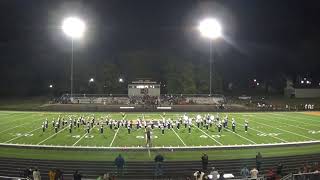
[[264, 128]]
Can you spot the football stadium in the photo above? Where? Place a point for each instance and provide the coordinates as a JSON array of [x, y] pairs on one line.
[[170, 90]]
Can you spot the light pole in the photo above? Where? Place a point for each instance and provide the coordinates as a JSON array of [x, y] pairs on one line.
[[74, 28], [210, 28]]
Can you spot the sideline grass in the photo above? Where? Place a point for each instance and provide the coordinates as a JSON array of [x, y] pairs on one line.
[[143, 155]]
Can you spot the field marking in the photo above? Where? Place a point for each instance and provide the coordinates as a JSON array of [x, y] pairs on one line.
[[175, 133], [114, 137], [208, 135], [261, 131], [22, 136], [179, 137], [283, 129], [296, 120], [265, 133], [20, 125], [18, 119], [290, 124], [241, 136], [81, 137], [52, 135]]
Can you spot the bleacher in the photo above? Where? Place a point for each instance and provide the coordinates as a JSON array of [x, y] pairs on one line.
[[145, 170]]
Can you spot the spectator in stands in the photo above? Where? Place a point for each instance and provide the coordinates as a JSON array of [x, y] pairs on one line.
[[36, 174], [77, 175], [279, 169], [58, 174], [28, 173], [52, 174], [205, 161], [119, 162], [198, 175], [245, 172], [258, 161], [107, 177], [254, 173], [159, 160], [214, 173], [221, 176], [271, 175]]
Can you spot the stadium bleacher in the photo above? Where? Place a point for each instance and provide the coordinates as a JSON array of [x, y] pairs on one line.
[[145, 170]]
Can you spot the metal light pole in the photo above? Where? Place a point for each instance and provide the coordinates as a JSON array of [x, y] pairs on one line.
[[74, 28], [210, 28], [211, 58], [71, 79]]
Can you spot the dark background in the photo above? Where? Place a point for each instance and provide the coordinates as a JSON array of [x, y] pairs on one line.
[[268, 40]]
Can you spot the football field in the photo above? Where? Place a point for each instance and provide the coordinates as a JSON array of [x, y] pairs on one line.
[[265, 128]]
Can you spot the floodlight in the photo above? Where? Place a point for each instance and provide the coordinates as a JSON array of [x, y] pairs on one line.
[[91, 80], [254, 80], [302, 82], [258, 84], [50, 86], [73, 27], [121, 80], [210, 28]]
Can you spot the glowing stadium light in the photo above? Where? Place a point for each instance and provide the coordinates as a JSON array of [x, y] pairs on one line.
[[308, 82], [210, 28], [73, 27], [50, 86], [121, 80], [258, 84], [302, 82], [254, 80], [91, 80]]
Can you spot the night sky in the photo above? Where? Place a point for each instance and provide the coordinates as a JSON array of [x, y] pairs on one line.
[[262, 38]]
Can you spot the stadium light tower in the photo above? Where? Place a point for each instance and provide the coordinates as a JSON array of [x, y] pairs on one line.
[[210, 28], [74, 28]]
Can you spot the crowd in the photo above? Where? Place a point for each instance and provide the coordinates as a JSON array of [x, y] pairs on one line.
[[306, 172]]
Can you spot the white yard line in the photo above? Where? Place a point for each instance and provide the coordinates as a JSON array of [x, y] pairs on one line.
[[176, 133], [283, 129], [295, 120], [208, 135], [18, 126], [22, 136], [179, 137], [11, 121], [241, 136], [263, 132], [114, 137], [289, 124], [52, 135], [267, 133], [82, 137]]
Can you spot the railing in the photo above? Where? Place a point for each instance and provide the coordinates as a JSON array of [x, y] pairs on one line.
[[306, 176], [287, 177]]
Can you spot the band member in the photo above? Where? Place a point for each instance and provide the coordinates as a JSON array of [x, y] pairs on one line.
[[70, 128], [219, 127], [148, 135], [246, 124], [101, 129], [233, 125], [162, 129]]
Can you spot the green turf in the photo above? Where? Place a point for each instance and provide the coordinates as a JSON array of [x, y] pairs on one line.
[[264, 128]]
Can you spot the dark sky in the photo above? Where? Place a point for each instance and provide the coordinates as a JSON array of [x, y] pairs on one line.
[[270, 36]]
